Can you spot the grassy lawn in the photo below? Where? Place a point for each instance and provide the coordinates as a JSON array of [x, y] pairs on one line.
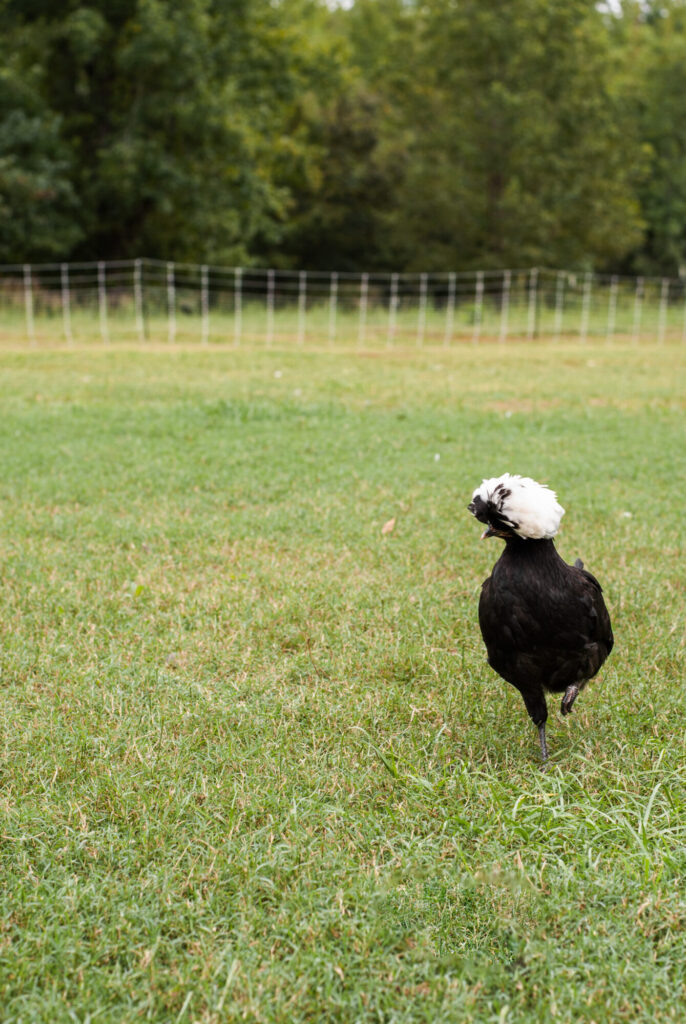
[[254, 764]]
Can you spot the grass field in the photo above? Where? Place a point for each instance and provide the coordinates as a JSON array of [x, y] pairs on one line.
[[254, 764]]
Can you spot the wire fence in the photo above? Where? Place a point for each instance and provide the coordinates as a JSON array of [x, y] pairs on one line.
[[151, 300]]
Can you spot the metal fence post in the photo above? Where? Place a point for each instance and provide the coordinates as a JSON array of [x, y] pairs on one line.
[[450, 309], [533, 302], [204, 305], [392, 309], [478, 306], [302, 300], [364, 297], [333, 302], [505, 306], [421, 313], [66, 306], [270, 306], [559, 304], [28, 304], [171, 304], [237, 305], [586, 307], [638, 302], [662, 315], [102, 302], [138, 298], [611, 310]]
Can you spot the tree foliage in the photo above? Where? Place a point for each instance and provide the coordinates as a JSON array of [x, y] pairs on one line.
[[653, 46], [520, 154], [38, 203], [170, 111], [396, 133]]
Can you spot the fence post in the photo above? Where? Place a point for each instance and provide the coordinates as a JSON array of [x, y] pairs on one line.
[[450, 309], [532, 302], [638, 298], [478, 306], [102, 302], [662, 315], [204, 305], [28, 304], [421, 315], [392, 309], [171, 304], [270, 306], [302, 299], [586, 307], [505, 305], [611, 310], [559, 304], [138, 298], [333, 302], [237, 305], [364, 296], [66, 309]]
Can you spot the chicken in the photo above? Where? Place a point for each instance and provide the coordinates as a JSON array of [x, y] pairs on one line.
[[544, 622]]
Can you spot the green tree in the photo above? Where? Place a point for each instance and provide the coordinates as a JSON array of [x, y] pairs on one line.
[[652, 45], [398, 133], [519, 151], [38, 205], [172, 113], [347, 187]]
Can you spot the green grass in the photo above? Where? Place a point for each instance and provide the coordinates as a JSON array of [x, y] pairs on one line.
[[254, 764]]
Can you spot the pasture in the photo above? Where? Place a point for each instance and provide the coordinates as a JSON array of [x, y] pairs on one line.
[[254, 764]]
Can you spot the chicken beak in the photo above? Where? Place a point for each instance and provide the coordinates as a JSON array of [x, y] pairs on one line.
[[489, 531]]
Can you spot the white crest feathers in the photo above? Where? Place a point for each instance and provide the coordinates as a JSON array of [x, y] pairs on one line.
[[530, 508]]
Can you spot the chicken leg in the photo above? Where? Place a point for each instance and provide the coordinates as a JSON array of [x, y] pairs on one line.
[[544, 745], [571, 693]]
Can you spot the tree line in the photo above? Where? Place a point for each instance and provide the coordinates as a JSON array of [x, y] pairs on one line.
[[403, 134]]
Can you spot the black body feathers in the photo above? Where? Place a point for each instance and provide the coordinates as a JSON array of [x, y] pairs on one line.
[[544, 623]]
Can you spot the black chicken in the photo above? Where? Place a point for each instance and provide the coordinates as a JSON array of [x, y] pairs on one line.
[[544, 623]]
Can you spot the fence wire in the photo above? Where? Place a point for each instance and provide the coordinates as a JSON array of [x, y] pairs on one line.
[[152, 300]]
